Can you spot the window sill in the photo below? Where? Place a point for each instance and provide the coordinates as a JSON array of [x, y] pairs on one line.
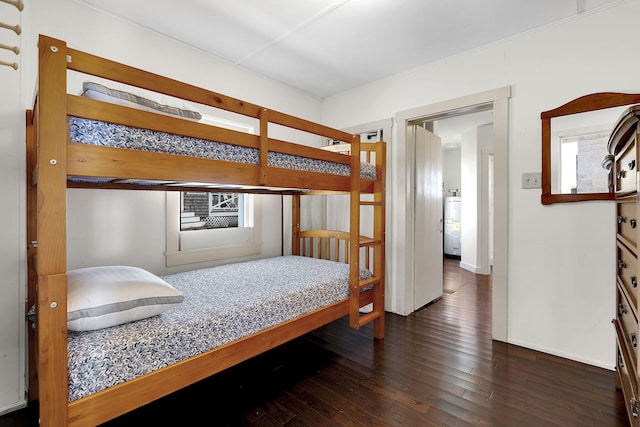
[[211, 254]]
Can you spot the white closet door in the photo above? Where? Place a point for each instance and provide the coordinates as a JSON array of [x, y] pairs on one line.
[[428, 217]]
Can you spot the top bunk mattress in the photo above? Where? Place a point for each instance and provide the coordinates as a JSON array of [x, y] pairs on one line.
[[221, 304], [87, 131]]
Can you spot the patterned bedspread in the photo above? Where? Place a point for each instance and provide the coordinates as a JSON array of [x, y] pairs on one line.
[[94, 132], [222, 304]]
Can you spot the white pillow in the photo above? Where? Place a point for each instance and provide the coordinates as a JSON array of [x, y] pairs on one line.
[[100, 297], [140, 99]]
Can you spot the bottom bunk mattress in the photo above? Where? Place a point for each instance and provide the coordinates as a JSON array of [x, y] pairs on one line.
[[221, 305]]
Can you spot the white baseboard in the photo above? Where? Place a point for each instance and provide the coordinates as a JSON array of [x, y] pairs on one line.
[[474, 269], [13, 407], [469, 267], [565, 355]]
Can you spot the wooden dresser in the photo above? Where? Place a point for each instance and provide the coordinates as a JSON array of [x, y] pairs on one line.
[[625, 178]]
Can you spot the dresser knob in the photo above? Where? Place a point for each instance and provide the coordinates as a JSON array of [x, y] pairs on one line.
[[634, 407], [634, 340], [632, 165], [633, 223], [621, 310], [622, 264], [620, 361], [634, 281], [621, 219], [622, 173]]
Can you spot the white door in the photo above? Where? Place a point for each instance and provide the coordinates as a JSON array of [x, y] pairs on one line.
[[428, 224]]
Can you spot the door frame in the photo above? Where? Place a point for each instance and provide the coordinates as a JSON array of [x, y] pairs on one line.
[[402, 202], [485, 244]]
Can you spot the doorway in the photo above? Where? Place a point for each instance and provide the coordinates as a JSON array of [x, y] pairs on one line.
[[403, 261], [467, 144]]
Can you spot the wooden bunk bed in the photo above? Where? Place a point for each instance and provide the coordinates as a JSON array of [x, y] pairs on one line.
[[54, 163]]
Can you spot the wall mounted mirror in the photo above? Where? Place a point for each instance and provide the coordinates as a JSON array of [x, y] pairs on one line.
[[574, 142]]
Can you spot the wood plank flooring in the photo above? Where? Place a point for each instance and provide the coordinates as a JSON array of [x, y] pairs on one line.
[[436, 367]]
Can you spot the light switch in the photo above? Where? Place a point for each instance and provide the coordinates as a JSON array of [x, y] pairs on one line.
[[532, 180]]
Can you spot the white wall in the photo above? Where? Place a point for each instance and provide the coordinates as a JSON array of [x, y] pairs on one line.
[[12, 217], [485, 144], [94, 234], [561, 275], [471, 242], [451, 171], [94, 238], [116, 227], [469, 212]]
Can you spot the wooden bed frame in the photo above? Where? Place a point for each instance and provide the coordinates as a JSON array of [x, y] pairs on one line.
[[52, 159]]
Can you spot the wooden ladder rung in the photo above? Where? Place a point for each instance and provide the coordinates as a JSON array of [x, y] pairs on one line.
[[370, 242], [369, 203], [363, 319], [371, 281]]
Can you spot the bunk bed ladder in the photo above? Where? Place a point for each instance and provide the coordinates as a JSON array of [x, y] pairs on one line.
[[364, 247]]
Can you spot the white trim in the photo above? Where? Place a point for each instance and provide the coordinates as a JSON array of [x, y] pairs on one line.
[[472, 268], [197, 240], [500, 272], [484, 246], [210, 254], [563, 354], [175, 256], [402, 260], [22, 403]]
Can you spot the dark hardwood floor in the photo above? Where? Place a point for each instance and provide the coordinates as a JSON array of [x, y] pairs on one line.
[[437, 366]]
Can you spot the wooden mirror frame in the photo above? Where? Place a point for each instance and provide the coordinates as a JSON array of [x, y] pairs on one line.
[[592, 102]]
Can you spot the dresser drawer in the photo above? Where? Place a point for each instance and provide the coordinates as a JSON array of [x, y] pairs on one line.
[[626, 170], [627, 219], [627, 379], [629, 326], [627, 267]]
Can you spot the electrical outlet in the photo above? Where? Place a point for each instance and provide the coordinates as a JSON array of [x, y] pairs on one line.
[[532, 180]]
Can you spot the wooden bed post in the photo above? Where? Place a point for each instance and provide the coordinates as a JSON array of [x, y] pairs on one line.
[[51, 312], [295, 224], [354, 239], [264, 145], [32, 237], [379, 197]]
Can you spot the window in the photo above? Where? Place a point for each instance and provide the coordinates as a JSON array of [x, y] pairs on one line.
[[206, 211], [240, 235], [207, 226], [578, 143], [580, 169]]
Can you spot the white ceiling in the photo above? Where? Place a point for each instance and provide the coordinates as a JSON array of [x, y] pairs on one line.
[[324, 47], [450, 130]]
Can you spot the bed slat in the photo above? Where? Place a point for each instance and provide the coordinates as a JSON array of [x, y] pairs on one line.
[[319, 244]]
